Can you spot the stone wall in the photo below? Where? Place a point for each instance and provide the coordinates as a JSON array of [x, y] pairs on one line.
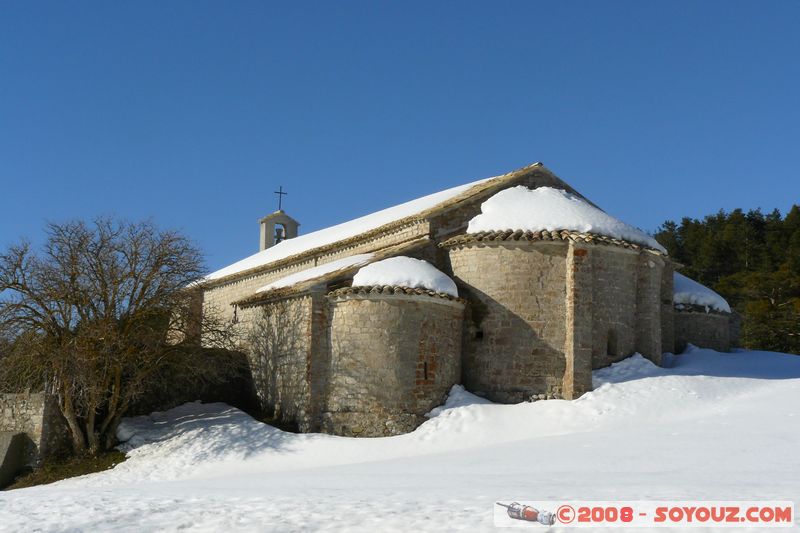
[[516, 329], [38, 417], [393, 358], [614, 291], [221, 295], [667, 311], [650, 268], [280, 351], [578, 321], [707, 330], [734, 329], [24, 412]]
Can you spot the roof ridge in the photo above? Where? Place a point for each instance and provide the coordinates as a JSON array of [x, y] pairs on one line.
[[477, 187]]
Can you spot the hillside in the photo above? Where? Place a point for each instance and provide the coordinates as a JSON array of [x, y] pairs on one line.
[[714, 427]]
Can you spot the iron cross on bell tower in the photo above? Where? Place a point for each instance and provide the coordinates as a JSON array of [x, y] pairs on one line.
[[278, 226], [280, 194]]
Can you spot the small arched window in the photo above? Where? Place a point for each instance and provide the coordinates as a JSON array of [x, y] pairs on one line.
[[280, 233]]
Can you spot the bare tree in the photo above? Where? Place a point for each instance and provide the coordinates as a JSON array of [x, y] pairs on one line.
[[97, 314]]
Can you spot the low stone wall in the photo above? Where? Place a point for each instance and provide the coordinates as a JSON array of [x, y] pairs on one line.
[[393, 358], [38, 417], [706, 330], [13, 446]]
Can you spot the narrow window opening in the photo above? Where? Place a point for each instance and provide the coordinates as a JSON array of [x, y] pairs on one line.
[[235, 314], [425, 370], [479, 334], [611, 348]]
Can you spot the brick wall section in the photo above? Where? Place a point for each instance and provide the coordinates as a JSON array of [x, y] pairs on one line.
[[381, 347], [38, 417], [515, 334], [707, 330], [579, 306], [648, 306]]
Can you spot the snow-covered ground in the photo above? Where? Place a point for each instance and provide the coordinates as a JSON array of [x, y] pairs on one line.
[[712, 427]]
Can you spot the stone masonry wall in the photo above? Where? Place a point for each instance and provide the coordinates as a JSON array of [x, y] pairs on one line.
[[579, 306], [221, 296], [707, 330], [24, 412], [650, 270], [614, 283], [280, 356], [319, 369], [393, 358], [38, 417], [516, 329], [667, 311]]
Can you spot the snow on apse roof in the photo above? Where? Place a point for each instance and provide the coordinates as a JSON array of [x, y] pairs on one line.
[[546, 208], [402, 271]]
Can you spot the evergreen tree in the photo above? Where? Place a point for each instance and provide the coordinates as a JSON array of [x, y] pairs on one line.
[[751, 259]]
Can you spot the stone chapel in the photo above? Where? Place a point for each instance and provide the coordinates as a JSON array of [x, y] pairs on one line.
[[532, 311]]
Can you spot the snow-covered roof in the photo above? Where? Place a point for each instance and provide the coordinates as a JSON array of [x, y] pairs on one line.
[[687, 291], [405, 272], [549, 209], [317, 272], [340, 232]]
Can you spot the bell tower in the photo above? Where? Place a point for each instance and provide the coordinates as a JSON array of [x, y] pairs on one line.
[[275, 228], [278, 226]]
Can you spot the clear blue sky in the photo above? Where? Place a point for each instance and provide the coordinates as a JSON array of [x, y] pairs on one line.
[[192, 113]]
